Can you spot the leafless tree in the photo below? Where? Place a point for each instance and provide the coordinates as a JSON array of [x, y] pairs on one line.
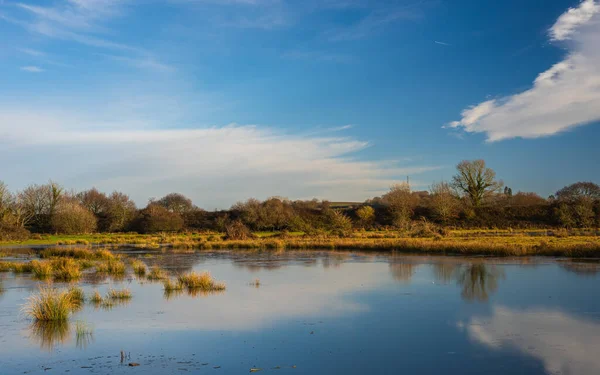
[[443, 201], [475, 181], [401, 203]]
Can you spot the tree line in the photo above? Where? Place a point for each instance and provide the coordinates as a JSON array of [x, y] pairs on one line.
[[473, 198]]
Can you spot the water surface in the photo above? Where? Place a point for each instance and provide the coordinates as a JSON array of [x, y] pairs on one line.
[[324, 313]]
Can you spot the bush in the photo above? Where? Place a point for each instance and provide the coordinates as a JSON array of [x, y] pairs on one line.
[[72, 218], [156, 218], [238, 231], [9, 232]]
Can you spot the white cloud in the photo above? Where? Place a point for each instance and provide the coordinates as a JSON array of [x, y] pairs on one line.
[[562, 97], [215, 166], [565, 344], [32, 69], [567, 23]]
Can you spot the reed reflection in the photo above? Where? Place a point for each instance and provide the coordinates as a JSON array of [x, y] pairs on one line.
[[49, 334]]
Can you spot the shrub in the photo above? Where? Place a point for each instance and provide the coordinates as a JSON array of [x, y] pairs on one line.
[[156, 218], [72, 218], [9, 232], [237, 231]]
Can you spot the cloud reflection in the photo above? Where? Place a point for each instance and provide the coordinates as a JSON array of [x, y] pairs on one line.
[[566, 344]]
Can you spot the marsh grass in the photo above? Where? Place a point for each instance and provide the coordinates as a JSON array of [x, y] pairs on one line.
[[50, 304], [200, 281], [119, 294], [139, 267], [111, 267], [170, 285], [157, 273], [77, 297], [96, 298], [41, 269], [83, 334], [16, 267], [77, 253], [66, 269]]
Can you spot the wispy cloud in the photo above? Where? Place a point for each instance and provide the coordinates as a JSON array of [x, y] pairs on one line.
[[32, 69], [225, 163], [379, 18], [442, 43], [562, 97], [144, 62], [32, 52], [80, 21]]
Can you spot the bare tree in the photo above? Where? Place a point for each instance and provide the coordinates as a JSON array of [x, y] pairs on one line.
[[443, 201], [38, 203], [401, 203], [121, 211], [70, 217], [6, 201], [95, 201], [579, 190], [475, 181]]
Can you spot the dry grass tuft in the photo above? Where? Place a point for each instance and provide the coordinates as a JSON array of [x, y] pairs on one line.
[[50, 304], [139, 267], [201, 281], [157, 273], [66, 269], [118, 294], [41, 269]]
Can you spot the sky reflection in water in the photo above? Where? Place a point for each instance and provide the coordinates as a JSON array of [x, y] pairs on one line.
[[325, 312]]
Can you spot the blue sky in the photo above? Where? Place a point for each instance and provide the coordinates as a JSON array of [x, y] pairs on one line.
[[336, 99]]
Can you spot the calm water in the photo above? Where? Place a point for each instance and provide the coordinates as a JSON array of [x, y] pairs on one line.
[[325, 313]]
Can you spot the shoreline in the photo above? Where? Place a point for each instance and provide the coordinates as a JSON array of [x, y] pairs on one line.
[[488, 243]]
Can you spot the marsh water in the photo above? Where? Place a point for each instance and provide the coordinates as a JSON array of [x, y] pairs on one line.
[[323, 313]]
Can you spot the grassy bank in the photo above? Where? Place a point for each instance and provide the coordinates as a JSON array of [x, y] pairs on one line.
[[582, 243]]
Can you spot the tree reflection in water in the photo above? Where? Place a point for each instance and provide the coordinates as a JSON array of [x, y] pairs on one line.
[[403, 272], [478, 281], [582, 268]]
